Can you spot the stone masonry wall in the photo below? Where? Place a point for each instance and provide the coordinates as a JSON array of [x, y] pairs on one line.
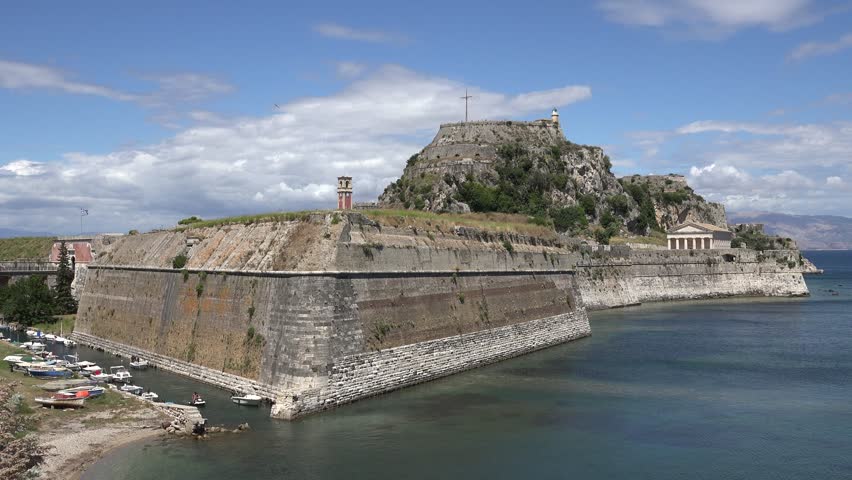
[[372, 373]]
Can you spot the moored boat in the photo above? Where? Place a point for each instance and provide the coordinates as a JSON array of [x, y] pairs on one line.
[[120, 374], [150, 396], [101, 377], [134, 389], [249, 400], [139, 364], [49, 371], [91, 390], [61, 401]]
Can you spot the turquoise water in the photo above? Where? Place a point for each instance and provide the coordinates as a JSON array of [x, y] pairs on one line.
[[729, 389]]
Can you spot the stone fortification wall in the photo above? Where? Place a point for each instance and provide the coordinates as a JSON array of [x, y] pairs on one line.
[[312, 335], [618, 278]]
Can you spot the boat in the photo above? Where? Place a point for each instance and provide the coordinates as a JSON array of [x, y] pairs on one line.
[[65, 341], [139, 364], [61, 401], [198, 402], [92, 390], [134, 389], [32, 333], [49, 371], [150, 396], [250, 400], [90, 370], [120, 374], [33, 345], [50, 338], [101, 377]]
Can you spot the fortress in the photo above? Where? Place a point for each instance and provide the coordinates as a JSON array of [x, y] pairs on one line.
[[313, 311]]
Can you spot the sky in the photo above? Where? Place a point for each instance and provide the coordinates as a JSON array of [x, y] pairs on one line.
[[146, 113]]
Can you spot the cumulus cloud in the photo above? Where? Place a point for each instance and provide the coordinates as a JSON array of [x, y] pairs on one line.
[[815, 49], [285, 161], [22, 168], [342, 32], [834, 181], [712, 17]]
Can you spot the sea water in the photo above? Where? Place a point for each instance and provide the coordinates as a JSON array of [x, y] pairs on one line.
[[721, 389]]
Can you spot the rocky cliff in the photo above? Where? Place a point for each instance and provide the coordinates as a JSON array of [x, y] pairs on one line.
[[675, 202]]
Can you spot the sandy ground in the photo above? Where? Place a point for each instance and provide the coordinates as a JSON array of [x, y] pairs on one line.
[[74, 446]]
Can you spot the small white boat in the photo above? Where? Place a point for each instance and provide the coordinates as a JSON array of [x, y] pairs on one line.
[[32, 333], [150, 396], [87, 370], [65, 341], [198, 402], [50, 338], [61, 401], [120, 374], [33, 345], [14, 358], [101, 377], [139, 364], [134, 389], [250, 400]]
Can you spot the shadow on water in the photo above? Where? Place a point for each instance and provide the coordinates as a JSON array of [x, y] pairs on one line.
[[743, 388]]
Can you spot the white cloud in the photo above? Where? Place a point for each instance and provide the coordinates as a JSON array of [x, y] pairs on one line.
[[349, 69], [712, 17], [16, 75], [285, 161], [22, 168], [834, 181], [335, 30], [814, 49]]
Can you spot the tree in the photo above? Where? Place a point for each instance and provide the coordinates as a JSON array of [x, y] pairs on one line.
[[569, 219], [65, 302], [28, 301]]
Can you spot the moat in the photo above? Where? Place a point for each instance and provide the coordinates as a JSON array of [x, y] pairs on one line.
[[745, 388]]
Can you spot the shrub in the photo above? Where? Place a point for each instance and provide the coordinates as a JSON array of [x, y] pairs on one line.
[[133, 232], [569, 219], [587, 202], [335, 219], [508, 246], [619, 204], [179, 261], [190, 220]]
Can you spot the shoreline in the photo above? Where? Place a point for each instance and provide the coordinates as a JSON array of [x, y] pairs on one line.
[[71, 455]]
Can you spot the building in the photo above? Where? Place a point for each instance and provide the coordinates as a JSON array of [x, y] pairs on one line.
[[79, 249], [698, 236], [344, 193]]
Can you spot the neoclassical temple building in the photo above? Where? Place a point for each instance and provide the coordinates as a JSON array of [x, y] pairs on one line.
[[698, 236]]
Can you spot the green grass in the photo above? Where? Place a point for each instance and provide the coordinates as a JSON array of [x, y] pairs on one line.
[[25, 248], [48, 418], [249, 219], [62, 324], [493, 222]]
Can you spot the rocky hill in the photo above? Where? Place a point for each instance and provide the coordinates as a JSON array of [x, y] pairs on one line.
[[675, 202], [816, 232], [531, 168]]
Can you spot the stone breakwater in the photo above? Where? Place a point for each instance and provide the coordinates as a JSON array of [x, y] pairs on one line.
[[371, 308]]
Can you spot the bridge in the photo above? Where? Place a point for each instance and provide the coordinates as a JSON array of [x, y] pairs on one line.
[[9, 270]]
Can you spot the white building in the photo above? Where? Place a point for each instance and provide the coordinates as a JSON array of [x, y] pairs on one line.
[[698, 236]]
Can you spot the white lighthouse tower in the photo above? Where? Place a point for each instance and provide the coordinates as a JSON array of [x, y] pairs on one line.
[[554, 116]]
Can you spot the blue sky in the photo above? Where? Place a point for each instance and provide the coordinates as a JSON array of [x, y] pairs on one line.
[[145, 114]]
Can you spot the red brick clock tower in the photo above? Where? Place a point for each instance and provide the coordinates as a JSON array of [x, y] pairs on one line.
[[344, 193]]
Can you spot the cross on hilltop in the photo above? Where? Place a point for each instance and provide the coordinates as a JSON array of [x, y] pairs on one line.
[[466, 97]]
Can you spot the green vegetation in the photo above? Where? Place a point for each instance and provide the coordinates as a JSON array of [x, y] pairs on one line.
[[190, 220], [335, 218], [179, 261], [57, 324], [133, 232], [674, 198], [508, 246], [28, 301], [641, 194], [249, 219], [587, 203], [655, 238], [492, 221], [569, 219], [25, 248], [63, 299], [753, 240]]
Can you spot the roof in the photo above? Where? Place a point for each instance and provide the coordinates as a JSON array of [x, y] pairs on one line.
[[702, 226]]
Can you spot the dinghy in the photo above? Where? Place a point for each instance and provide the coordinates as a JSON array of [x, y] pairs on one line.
[[150, 396], [91, 390], [139, 364], [249, 400], [134, 389], [49, 371]]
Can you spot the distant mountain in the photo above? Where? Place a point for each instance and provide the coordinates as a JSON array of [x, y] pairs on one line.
[[812, 232], [11, 232]]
